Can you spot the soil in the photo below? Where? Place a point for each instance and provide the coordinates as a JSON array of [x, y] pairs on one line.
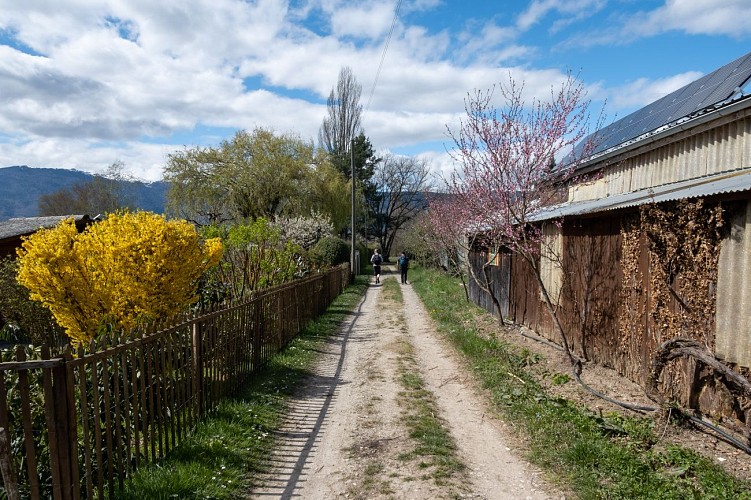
[[346, 437]]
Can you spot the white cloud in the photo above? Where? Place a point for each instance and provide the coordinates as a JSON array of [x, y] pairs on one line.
[[707, 17], [369, 20], [571, 10], [119, 79], [144, 161]]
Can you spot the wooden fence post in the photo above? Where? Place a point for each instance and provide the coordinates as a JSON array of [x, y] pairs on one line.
[[197, 368], [257, 333], [60, 411]]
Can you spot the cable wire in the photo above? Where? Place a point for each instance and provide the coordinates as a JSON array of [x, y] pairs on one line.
[[383, 55], [721, 433]]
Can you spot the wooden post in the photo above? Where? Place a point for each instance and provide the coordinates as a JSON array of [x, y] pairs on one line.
[[59, 412], [257, 333]]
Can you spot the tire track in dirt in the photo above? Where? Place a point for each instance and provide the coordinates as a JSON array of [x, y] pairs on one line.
[[495, 471], [344, 436]]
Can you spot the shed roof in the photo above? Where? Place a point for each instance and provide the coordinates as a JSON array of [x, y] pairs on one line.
[[712, 92], [22, 226], [727, 182]]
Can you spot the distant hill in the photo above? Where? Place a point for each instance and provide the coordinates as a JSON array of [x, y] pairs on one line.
[[21, 187]]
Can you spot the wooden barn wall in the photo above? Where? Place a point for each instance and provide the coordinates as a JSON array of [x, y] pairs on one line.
[[526, 307], [499, 276], [616, 310], [592, 279]]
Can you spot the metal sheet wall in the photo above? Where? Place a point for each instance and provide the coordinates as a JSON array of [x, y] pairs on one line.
[[733, 323], [714, 150]]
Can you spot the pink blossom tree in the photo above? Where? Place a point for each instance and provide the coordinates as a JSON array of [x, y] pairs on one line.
[[510, 167]]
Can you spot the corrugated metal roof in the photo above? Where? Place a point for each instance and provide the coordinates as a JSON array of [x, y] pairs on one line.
[[731, 182]]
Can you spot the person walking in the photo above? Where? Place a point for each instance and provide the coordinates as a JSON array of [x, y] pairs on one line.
[[403, 262], [376, 260]]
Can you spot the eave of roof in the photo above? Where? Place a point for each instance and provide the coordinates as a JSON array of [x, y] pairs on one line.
[[727, 182]]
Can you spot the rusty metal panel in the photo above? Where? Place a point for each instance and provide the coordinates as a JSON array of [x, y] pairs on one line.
[[733, 334]]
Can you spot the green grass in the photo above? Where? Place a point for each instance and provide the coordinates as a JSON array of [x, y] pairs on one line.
[[227, 450], [593, 456], [434, 445]]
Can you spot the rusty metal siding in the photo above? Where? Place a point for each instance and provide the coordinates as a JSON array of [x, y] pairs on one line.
[[733, 324]]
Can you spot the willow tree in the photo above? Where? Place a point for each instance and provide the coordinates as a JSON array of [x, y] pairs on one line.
[[255, 174]]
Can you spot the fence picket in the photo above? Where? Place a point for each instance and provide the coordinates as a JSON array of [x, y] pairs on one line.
[[28, 431], [136, 396]]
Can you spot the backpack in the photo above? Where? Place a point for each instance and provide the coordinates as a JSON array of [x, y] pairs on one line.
[[376, 260], [403, 261]]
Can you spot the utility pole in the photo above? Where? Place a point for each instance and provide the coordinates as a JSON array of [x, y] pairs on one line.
[[353, 266]]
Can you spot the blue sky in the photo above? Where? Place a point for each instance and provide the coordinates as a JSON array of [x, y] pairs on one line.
[[84, 84]]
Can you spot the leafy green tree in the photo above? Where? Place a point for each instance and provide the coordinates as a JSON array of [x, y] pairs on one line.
[[256, 174], [329, 193], [102, 194]]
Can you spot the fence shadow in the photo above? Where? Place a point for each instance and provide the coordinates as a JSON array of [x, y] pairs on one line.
[[309, 410]]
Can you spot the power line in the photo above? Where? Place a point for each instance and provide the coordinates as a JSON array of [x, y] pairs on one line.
[[383, 56]]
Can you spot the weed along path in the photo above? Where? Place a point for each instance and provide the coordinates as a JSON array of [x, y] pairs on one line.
[[389, 413]]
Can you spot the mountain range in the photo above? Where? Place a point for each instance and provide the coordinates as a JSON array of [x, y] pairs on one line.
[[21, 187]]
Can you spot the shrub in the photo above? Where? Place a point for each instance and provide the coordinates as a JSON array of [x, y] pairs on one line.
[[23, 320], [329, 251], [304, 231], [255, 257], [129, 268]]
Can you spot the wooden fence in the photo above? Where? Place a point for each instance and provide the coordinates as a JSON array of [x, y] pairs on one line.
[[77, 424]]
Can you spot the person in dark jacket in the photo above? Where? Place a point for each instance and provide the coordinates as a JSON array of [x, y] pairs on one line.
[[403, 263], [376, 260]]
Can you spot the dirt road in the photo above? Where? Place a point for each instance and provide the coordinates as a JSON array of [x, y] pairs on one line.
[[347, 434]]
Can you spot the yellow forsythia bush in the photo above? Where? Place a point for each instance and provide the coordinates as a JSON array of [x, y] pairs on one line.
[[128, 268]]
